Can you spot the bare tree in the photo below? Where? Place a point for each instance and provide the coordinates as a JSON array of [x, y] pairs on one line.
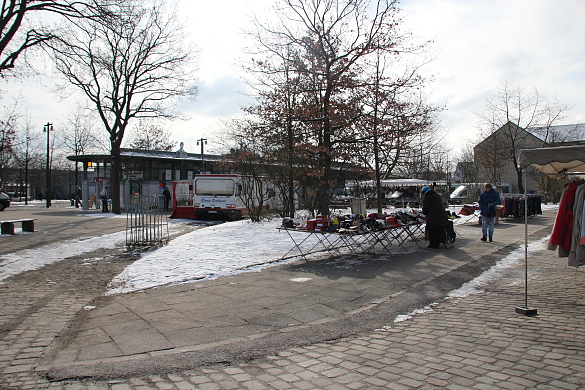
[[326, 43], [28, 153], [136, 66], [398, 132], [248, 156], [10, 116], [509, 112], [151, 136], [20, 29], [79, 135]]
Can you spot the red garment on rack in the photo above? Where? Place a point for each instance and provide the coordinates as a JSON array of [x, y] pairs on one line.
[[561, 234]]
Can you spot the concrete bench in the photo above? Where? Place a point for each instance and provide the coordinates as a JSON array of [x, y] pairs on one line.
[[7, 227]]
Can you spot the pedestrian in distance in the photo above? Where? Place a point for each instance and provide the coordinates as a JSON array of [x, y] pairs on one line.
[[488, 200], [167, 196], [104, 195], [436, 216], [77, 197]]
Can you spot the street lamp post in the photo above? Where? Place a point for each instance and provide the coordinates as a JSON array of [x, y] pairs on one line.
[[26, 162], [48, 128], [202, 141]]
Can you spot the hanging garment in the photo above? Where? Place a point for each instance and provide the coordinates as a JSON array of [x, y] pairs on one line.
[[537, 205], [561, 234], [577, 252], [509, 206], [582, 238]]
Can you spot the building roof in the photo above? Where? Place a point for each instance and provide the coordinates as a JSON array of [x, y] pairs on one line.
[[561, 129], [161, 154], [516, 130], [148, 154]]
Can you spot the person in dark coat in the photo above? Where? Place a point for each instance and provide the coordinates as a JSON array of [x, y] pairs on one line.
[[488, 200], [104, 195], [167, 196], [436, 216], [77, 196]]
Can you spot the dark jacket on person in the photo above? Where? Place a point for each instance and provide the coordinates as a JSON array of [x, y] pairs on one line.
[[434, 210], [488, 197]]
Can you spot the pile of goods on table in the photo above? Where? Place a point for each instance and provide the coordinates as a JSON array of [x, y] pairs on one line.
[[357, 223]]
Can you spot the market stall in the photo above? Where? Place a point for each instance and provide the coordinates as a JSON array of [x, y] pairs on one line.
[[354, 236], [557, 162]]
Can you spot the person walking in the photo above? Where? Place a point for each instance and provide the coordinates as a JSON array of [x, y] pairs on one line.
[[104, 195], [436, 216], [488, 200], [167, 196]]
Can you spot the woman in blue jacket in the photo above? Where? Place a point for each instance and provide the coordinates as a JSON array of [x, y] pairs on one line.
[[488, 200]]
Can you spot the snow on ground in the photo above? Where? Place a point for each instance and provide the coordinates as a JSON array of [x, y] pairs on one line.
[[31, 259], [244, 246], [212, 252], [215, 251], [476, 285]]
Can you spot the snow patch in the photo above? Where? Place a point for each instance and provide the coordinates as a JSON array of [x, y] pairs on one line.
[[218, 250], [300, 280], [476, 285], [31, 259]]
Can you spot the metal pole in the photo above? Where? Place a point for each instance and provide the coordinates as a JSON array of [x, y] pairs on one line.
[[525, 242], [526, 310], [26, 191], [48, 128], [202, 141], [85, 188]]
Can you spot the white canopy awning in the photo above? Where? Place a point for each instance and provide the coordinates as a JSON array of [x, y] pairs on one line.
[[398, 182], [562, 159], [553, 161]]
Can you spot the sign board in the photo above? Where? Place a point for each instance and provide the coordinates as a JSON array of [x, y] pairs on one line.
[[135, 175]]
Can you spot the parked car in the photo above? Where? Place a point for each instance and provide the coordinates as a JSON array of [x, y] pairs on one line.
[[397, 195], [4, 201]]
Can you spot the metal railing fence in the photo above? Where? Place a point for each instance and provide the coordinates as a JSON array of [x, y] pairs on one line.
[[146, 222]]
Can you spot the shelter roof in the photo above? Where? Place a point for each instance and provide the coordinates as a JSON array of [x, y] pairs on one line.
[[146, 154], [401, 182], [560, 160]]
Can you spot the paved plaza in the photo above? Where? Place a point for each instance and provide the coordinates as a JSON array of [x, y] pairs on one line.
[[369, 322]]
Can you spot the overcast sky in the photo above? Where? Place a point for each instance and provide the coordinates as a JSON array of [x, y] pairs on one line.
[[478, 45]]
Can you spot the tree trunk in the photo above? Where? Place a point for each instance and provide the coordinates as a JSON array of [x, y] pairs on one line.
[[115, 178], [325, 154], [520, 180], [290, 212]]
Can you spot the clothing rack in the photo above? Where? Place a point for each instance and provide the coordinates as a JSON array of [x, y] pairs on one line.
[[526, 310], [551, 161], [567, 230], [514, 205]]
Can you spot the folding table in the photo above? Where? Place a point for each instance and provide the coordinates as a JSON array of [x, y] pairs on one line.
[[352, 240]]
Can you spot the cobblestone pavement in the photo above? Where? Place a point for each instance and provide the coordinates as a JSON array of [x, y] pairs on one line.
[[476, 341]]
